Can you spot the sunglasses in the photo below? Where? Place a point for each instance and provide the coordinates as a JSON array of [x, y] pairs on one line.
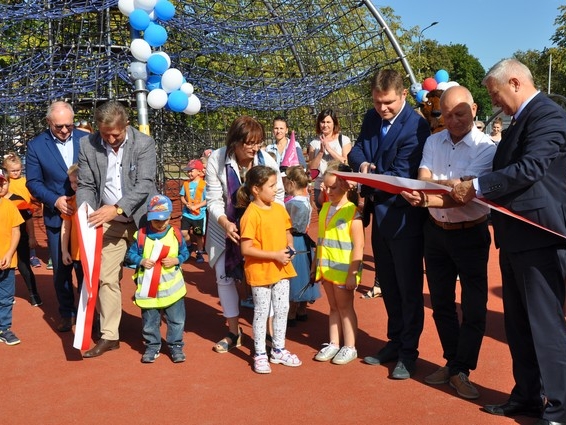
[[79, 123], [60, 127]]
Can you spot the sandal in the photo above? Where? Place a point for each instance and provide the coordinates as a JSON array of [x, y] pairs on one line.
[[228, 342], [374, 292]]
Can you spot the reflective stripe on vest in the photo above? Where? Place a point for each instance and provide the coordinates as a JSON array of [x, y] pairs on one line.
[[171, 282], [198, 195], [334, 246]]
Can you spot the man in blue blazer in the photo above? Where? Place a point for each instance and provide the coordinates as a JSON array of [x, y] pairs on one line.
[[48, 157], [529, 178], [117, 168], [391, 142]]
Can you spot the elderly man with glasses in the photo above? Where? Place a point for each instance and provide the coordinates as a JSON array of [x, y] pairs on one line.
[[49, 155]]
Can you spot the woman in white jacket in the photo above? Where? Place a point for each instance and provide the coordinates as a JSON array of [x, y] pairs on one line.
[[225, 172]]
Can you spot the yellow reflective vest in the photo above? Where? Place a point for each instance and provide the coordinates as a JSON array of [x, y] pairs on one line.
[[334, 246], [171, 283]]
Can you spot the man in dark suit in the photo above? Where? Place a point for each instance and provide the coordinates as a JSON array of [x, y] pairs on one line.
[[391, 141], [48, 157], [117, 167], [529, 178]]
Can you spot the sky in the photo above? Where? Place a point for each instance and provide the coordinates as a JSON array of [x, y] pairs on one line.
[[492, 29]]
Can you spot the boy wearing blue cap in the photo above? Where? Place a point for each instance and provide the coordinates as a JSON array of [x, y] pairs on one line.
[[158, 252]]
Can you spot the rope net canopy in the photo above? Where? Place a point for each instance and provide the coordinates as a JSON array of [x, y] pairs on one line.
[[261, 57]]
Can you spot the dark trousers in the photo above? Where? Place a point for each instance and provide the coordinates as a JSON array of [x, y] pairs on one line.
[[399, 265], [24, 266], [533, 300], [62, 274], [449, 253]]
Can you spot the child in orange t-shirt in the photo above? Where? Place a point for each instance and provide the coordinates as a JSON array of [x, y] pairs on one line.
[[69, 234], [10, 220], [20, 196], [267, 247]]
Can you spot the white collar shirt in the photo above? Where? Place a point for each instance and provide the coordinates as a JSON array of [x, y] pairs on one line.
[[112, 192], [471, 156], [65, 148]]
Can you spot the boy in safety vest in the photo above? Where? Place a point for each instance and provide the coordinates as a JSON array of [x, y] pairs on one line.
[[193, 197], [158, 252]]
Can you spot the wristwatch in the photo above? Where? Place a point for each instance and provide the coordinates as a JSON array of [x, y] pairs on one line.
[[119, 210]]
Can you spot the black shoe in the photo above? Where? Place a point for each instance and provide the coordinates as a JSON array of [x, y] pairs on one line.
[[547, 422], [513, 408], [403, 369], [385, 355], [35, 300]]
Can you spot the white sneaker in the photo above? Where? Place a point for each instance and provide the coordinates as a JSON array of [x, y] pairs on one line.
[[284, 357], [327, 352], [345, 355]]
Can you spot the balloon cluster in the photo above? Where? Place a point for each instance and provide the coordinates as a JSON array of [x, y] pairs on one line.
[[440, 81], [167, 86]]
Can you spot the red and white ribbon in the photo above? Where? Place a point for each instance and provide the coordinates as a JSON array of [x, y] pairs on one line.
[[90, 243], [151, 277], [394, 184]]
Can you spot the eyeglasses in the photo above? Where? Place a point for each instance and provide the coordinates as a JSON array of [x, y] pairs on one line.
[[79, 123], [253, 144], [60, 127]]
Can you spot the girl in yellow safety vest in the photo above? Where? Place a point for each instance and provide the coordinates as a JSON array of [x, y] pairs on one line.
[[338, 266]]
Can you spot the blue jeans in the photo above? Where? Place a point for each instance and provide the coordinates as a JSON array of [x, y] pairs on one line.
[[7, 290], [62, 277], [175, 319]]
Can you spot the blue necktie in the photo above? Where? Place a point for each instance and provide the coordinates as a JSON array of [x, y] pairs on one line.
[[384, 129]]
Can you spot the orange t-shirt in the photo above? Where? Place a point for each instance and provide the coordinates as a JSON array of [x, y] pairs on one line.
[[18, 187], [74, 250], [10, 217], [268, 231]]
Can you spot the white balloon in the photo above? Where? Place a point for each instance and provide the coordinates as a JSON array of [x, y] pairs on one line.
[[141, 50], [194, 105], [126, 6], [442, 86], [187, 88], [166, 56], [152, 16], [146, 5], [171, 80], [157, 98], [451, 84]]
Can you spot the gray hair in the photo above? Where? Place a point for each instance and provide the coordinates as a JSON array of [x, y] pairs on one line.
[[58, 104], [506, 68]]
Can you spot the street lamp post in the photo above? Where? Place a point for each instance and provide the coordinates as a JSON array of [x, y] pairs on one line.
[[420, 37]]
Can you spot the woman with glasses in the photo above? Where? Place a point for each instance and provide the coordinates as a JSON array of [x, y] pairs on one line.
[[225, 172], [84, 126]]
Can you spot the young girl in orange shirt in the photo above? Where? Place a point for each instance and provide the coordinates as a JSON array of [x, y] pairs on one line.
[[267, 247]]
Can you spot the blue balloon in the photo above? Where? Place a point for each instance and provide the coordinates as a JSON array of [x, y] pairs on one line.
[[153, 82], [178, 101], [139, 19], [157, 64], [164, 10], [155, 35], [441, 76], [420, 95]]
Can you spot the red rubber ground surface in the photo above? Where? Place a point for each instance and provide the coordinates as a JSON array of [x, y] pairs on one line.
[[44, 380]]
